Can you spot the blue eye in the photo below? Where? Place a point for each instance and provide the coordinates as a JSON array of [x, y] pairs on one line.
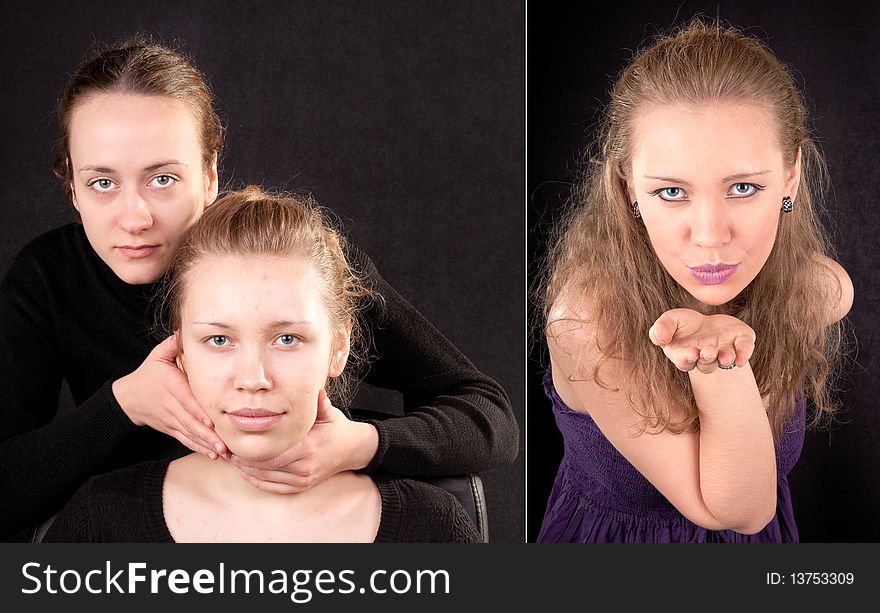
[[742, 190], [163, 181], [101, 185], [288, 340], [218, 341], [670, 194]]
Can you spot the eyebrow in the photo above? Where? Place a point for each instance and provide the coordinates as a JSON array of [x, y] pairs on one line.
[[733, 177], [150, 168], [274, 324]]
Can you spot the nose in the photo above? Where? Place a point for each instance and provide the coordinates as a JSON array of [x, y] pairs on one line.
[[251, 373], [135, 216], [710, 226]]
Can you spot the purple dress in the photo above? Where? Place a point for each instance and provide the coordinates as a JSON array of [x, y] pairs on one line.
[[599, 497]]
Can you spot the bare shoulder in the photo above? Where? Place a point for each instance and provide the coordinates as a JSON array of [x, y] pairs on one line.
[[839, 287], [571, 326], [571, 333]]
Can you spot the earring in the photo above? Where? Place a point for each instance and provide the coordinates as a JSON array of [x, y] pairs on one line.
[[635, 210], [787, 205]]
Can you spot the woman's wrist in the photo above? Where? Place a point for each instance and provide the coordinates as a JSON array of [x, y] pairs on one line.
[[366, 444], [718, 390], [122, 394]]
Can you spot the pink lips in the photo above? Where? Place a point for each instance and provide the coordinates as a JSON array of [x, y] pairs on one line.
[[137, 251], [713, 274], [254, 420]]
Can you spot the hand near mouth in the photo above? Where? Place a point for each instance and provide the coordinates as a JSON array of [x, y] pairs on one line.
[[706, 342]]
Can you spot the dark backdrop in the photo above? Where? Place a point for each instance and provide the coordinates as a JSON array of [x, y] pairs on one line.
[[574, 54], [405, 118]]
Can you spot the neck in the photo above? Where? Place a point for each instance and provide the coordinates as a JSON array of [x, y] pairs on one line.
[[222, 476], [208, 501]]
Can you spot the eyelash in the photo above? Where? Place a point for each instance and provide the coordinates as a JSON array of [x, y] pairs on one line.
[[171, 184], [173, 178], [296, 340], [756, 187], [100, 191], [210, 340]]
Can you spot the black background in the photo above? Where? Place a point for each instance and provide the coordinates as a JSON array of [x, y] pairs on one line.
[[575, 53], [405, 118]]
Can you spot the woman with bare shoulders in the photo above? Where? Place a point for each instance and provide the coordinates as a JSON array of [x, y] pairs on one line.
[[691, 302]]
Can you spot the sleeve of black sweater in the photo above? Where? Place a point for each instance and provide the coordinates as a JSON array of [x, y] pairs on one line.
[[425, 513], [44, 456], [457, 419]]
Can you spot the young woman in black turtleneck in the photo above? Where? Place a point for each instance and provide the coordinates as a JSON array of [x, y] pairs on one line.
[[138, 159], [265, 307]]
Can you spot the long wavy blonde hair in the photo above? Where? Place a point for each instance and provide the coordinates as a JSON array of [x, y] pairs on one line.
[[603, 256]]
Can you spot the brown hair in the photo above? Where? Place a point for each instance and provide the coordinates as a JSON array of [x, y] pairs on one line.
[[603, 255], [138, 66], [253, 222]]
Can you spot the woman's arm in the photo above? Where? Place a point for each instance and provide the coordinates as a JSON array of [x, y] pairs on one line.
[[457, 419], [74, 523], [44, 456], [723, 477]]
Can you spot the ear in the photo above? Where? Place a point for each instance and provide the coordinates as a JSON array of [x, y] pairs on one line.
[[179, 359], [339, 357], [630, 191], [73, 197], [793, 177], [211, 182]]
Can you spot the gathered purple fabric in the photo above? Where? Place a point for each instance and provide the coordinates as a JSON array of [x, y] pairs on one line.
[[599, 497]]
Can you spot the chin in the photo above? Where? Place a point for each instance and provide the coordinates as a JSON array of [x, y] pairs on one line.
[[715, 295], [254, 448], [137, 276]]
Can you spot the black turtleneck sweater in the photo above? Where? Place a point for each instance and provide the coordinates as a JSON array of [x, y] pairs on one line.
[[125, 506], [64, 314]]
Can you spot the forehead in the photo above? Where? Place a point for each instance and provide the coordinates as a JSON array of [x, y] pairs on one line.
[[252, 290], [118, 123], [705, 137]]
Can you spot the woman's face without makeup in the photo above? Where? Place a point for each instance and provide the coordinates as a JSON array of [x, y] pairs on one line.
[[709, 181], [257, 346], [138, 179]]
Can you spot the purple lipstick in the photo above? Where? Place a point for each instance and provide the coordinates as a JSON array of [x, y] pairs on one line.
[[713, 274]]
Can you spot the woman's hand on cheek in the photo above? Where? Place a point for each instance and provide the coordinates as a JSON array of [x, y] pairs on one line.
[[158, 395], [693, 340], [334, 444]]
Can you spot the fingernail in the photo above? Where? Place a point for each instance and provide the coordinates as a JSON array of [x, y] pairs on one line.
[[218, 447], [212, 455], [207, 422]]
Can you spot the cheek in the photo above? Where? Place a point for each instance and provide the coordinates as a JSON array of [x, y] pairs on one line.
[[762, 231], [665, 233], [205, 374], [183, 214]]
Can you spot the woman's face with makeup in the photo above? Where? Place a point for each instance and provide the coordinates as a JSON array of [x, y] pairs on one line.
[[709, 181], [257, 346]]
